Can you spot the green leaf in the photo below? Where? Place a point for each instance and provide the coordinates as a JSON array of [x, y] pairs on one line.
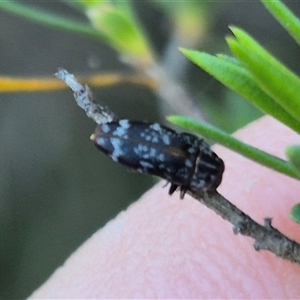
[[229, 71], [122, 31], [230, 142], [114, 26], [229, 59], [295, 213], [50, 19], [285, 17], [272, 76], [293, 154], [89, 3]]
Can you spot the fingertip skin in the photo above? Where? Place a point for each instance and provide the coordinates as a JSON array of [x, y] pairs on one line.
[[161, 247]]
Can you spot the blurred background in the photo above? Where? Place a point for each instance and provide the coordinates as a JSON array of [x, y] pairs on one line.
[[56, 188]]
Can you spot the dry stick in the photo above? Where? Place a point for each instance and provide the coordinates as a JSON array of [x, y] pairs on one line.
[[266, 237]]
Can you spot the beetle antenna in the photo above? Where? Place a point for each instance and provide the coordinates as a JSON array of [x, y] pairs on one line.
[[83, 97]]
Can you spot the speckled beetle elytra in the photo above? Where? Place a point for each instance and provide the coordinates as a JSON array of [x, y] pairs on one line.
[[181, 158]]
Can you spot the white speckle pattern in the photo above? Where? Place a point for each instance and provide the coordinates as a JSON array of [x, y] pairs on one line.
[[120, 131], [156, 127], [105, 128], [148, 137], [153, 152], [142, 151], [166, 139], [188, 163], [146, 164], [101, 141], [161, 157], [125, 124], [118, 149], [155, 139], [180, 158]]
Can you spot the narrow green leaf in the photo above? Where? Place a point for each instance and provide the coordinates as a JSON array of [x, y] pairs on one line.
[[285, 17], [293, 154], [295, 213], [273, 77], [229, 59], [122, 30], [230, 72], [89, 3], [230, 142], [126, 7], [50, 19]]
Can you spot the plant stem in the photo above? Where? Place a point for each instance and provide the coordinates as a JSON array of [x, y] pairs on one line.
[[266, 237], [174, 94]]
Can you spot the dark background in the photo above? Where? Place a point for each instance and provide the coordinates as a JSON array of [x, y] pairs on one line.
[[56, 188]]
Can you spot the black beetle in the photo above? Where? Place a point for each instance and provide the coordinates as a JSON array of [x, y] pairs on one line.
[[182, 159]]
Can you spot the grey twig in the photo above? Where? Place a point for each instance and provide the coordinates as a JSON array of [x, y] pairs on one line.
[[266, 236], [83, 97]]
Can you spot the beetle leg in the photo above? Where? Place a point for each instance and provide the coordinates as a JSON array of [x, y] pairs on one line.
[[183, 190], [173, 188]]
